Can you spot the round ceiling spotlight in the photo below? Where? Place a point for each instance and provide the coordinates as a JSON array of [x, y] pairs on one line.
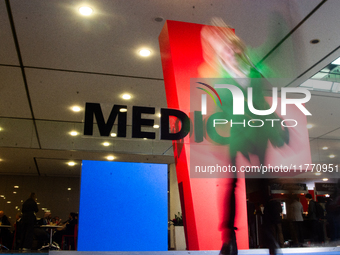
[[126, 96], [158, 19], [314, 41], [110, 157], [85, 10], [71, 163], [145, 52], [73, 133], [76, 108]]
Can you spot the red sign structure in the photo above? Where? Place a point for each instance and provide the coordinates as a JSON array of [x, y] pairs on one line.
[[203, 200]]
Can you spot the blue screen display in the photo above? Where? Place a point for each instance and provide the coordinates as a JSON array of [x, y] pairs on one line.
[[123, 207]]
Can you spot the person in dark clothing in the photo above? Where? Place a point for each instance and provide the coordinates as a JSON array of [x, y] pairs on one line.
[[29, 209], [272, 225], [312, 218], [68, 228], [5, 234], [251, 212]]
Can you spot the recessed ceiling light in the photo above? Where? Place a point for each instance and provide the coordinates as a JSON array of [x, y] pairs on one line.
[[155, 126], [76, 108], [106, 144], [71, 163], [145, 138], [325, 148], [68, 188], [314, 41], [145, 52], [158, 19], [123, 110], [110, 157], [309, 126], [16, 187], [85, 10], [38, 203], [317, 173], [73, 133], [14, 192], [126, 96], [113, 134], [332, 156], [8, 202], [1, 195], [21, 201], [325, 179]]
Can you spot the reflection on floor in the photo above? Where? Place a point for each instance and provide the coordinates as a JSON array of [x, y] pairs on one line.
[[290, 251]]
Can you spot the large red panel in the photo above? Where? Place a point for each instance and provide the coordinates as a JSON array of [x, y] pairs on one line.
[[203, 199]]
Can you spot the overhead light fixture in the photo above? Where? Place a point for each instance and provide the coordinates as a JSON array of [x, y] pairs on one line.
[[325, 179], [16, 187], [327, 195], [8, 202], [76, 108], [73, 133], [113, 134], [314, 41], [106, 144], [155, 126], [126, 96], [336, 62], [145, 138], [14, 192], [123, 110], [309, 126], [325, 148], [110, 157], [332, 156], [68, 188], [2, 196], [85, 10], [71, 163], [145, 52], [0, 128]]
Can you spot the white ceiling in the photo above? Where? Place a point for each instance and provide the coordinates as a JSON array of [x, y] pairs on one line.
[[52, 58]]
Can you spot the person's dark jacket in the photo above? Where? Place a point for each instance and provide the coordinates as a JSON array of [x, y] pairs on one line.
[[312, 210], [272, 212]]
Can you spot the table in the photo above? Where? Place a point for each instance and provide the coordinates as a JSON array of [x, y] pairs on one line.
[[50, 246], [4, 226]]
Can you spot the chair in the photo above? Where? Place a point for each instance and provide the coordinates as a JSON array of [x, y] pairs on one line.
[[70, 238]]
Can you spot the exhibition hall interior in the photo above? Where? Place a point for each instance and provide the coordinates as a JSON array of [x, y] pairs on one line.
[[55, 59]]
